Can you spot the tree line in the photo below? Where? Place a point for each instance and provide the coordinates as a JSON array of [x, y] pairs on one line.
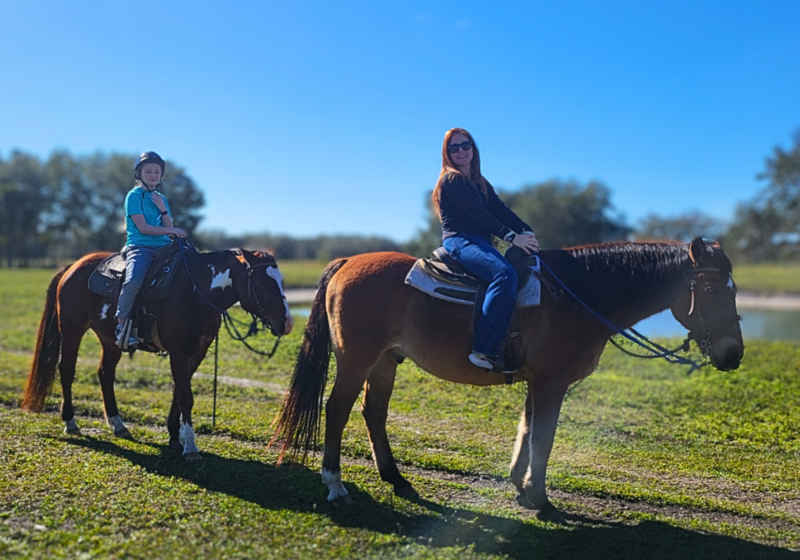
[[65, 206]]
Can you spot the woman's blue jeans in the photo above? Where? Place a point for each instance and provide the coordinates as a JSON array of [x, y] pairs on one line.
[[137, 262], [477, 255]]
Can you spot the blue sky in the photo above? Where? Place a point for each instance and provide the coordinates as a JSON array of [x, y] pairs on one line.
[[308, 118]]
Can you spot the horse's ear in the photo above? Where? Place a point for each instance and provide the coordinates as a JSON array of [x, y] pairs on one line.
[[697, 251]]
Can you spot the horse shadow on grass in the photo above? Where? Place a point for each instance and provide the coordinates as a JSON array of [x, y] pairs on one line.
[[297, 488]]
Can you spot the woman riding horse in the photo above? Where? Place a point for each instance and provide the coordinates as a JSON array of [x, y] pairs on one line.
[[471, 212]]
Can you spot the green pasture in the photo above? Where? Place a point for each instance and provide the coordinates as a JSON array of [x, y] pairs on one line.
[[649, 462], [768, 278]]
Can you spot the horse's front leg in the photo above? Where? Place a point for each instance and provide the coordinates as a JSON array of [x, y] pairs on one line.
[[521, 458], [547, 397], [182, 380]]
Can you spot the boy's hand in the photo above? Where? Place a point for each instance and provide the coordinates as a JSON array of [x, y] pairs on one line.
[[158, 200]]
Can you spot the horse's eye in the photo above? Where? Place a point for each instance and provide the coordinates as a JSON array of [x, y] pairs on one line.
[[711, 289]]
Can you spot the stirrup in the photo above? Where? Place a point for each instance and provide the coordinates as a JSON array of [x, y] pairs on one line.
[[123, 338]]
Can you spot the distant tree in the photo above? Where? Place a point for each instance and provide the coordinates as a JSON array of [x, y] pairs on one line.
[[767, 228], [25, 197], [566, 213], [680, 227]]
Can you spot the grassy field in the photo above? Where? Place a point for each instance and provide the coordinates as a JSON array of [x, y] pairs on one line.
[[648, 462], [768, 278]]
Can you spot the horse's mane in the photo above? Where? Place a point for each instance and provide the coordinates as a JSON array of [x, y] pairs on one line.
[[621, 270]]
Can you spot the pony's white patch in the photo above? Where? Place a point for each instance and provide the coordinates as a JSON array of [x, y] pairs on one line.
[[275, 274], [220, 280], [71, 425], [104, 311], [186, 438], [334, 483], [116, 423]]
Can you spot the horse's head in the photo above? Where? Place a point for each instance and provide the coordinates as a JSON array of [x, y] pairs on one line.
[[261, 291], [706, 305]]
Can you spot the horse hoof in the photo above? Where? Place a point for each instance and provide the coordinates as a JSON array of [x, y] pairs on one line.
[[551, 516], [193, 456], [175, 444], [341, 501], [72, 431], [124, 434], [406, 492], [524, 501]]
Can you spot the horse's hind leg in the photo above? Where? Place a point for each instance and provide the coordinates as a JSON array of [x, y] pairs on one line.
[[521, 459], [70, 343], [107, 373], [350, 376], [375, 409]]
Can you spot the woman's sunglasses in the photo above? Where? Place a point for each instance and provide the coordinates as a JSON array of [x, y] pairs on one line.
[[453, 148]]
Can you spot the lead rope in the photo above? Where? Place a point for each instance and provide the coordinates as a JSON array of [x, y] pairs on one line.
[[216, 367]]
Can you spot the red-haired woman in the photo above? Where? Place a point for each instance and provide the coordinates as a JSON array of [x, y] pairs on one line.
[[471, 213]]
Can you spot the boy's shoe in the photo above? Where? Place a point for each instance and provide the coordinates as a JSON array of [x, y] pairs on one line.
[[486, 361], [119, 338]]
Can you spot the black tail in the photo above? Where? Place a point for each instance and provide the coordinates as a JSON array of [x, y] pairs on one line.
[[47, 353], [299, 422]]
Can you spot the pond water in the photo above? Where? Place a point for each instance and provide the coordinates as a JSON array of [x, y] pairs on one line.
[[765, 324]]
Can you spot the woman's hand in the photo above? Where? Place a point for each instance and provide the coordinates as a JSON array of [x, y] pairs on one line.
[[158, 200], [527, 242], [177, 232]]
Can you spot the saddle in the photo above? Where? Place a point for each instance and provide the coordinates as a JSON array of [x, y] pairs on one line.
[[107, 280], [441, 277]]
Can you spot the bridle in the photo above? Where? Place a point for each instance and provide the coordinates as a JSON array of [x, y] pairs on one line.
[[705, 342], [260, 302]]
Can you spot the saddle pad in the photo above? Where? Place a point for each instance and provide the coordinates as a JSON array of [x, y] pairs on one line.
[[529, 294], [104, 277]]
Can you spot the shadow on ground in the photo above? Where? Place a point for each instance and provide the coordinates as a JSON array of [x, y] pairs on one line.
[[297, 488]]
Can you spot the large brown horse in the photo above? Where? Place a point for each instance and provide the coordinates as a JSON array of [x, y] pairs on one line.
[[372, 319], [187, 321]]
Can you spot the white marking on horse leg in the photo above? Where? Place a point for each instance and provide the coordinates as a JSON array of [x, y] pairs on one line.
[[71, 425], [117, 424], [333, 480], [186, 437], [104, 311]]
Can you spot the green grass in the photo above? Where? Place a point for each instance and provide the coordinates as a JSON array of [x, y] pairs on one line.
[[648, 462], [768, 278], [301, 274]]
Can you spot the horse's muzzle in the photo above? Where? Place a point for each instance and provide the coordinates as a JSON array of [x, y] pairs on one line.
[[727, 354]]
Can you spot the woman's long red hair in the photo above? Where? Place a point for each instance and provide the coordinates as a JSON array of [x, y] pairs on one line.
[[448, 166]]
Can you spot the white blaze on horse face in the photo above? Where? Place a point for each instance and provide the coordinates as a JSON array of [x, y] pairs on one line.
[[220, 280], [731, 285], [334, 483], [186, 438], [275, 274], [104, 311]]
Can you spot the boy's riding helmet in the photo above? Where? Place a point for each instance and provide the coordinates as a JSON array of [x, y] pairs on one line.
[[148, 157]]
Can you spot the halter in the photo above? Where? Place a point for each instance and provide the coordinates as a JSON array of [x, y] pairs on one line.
[[705, 342]]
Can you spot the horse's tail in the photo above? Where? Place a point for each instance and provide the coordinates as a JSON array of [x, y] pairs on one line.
[[299, 422], [48, 350]]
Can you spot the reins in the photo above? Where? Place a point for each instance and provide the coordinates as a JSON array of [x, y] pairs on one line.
[[654, 349]]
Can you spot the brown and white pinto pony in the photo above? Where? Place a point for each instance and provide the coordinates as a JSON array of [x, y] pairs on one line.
[[186, 326], [372, 319]]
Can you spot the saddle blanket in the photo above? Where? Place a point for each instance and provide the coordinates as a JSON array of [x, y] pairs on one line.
[[529, 293]]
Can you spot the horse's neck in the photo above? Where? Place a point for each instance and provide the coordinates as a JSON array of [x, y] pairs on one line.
[[626, 288], [216, 276]]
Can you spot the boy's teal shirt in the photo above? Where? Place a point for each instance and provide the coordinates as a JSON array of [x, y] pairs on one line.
[[138, 202]]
